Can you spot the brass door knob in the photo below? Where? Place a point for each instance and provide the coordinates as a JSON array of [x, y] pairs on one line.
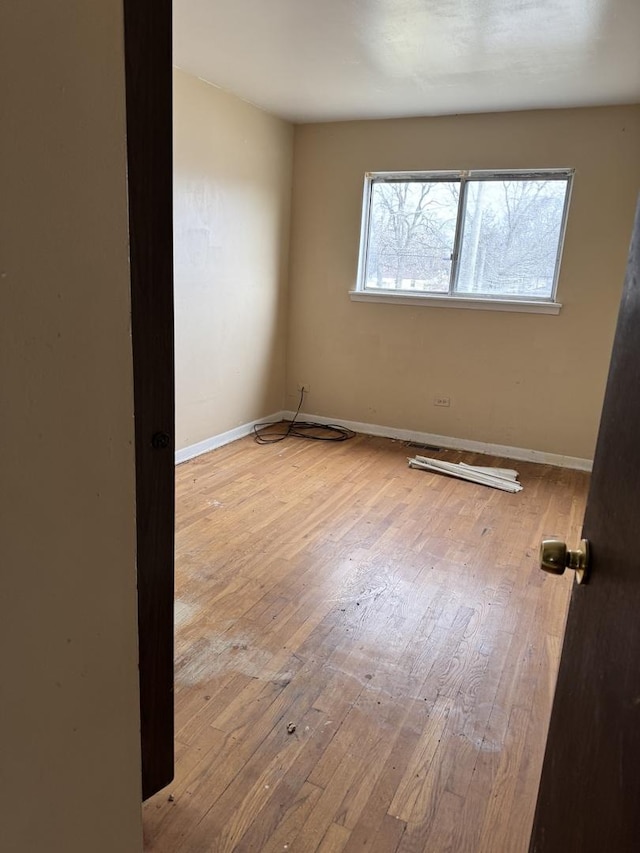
[[555, 557]]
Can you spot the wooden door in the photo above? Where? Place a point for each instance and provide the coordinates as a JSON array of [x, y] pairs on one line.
[[150, 177], [589, 797]]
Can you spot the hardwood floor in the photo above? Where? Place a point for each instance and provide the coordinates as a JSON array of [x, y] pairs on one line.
[[396, 618]]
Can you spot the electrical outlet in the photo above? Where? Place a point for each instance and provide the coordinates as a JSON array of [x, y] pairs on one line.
[[304, 386], [442, 401]]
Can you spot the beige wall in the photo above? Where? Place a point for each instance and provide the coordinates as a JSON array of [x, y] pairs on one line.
[[69, 766], [522, 380], [232, 191]]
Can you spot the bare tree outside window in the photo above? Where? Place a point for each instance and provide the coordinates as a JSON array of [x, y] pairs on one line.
[[510, 239], [486, 237], [411, 236]]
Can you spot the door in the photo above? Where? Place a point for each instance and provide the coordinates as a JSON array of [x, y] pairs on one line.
[[150, 176], [589, 797]]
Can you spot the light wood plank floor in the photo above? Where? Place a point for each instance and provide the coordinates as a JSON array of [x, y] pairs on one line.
[[396, 618]]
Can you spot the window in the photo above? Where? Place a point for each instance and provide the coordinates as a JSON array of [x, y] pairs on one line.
[[489, 238]]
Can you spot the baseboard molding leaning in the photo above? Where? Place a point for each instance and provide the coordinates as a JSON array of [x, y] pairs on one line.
[[223, 438], [452, 443]]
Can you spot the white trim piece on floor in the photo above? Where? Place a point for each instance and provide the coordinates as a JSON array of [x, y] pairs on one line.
[[451, 443], [223, 438]]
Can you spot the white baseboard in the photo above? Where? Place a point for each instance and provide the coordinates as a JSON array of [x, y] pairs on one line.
[[451, 443], [446, 441], [223, 438]]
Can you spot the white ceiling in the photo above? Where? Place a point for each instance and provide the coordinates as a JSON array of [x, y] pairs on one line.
[[322, 60]]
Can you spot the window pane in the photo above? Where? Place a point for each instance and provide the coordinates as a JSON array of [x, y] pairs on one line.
[[411, 233], [511, 237]]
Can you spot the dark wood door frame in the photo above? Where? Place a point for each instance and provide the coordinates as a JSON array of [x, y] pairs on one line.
[[147, 28]]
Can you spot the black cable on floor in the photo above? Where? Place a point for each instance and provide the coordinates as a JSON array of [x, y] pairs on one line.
[[270, 433]]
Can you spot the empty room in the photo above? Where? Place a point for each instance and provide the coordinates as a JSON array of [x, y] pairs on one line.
[[320, 370], [400, 232]]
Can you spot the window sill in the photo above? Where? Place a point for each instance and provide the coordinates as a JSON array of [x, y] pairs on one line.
[[394, 298]]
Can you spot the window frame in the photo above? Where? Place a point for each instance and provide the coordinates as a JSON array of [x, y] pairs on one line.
[[454, 298]]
